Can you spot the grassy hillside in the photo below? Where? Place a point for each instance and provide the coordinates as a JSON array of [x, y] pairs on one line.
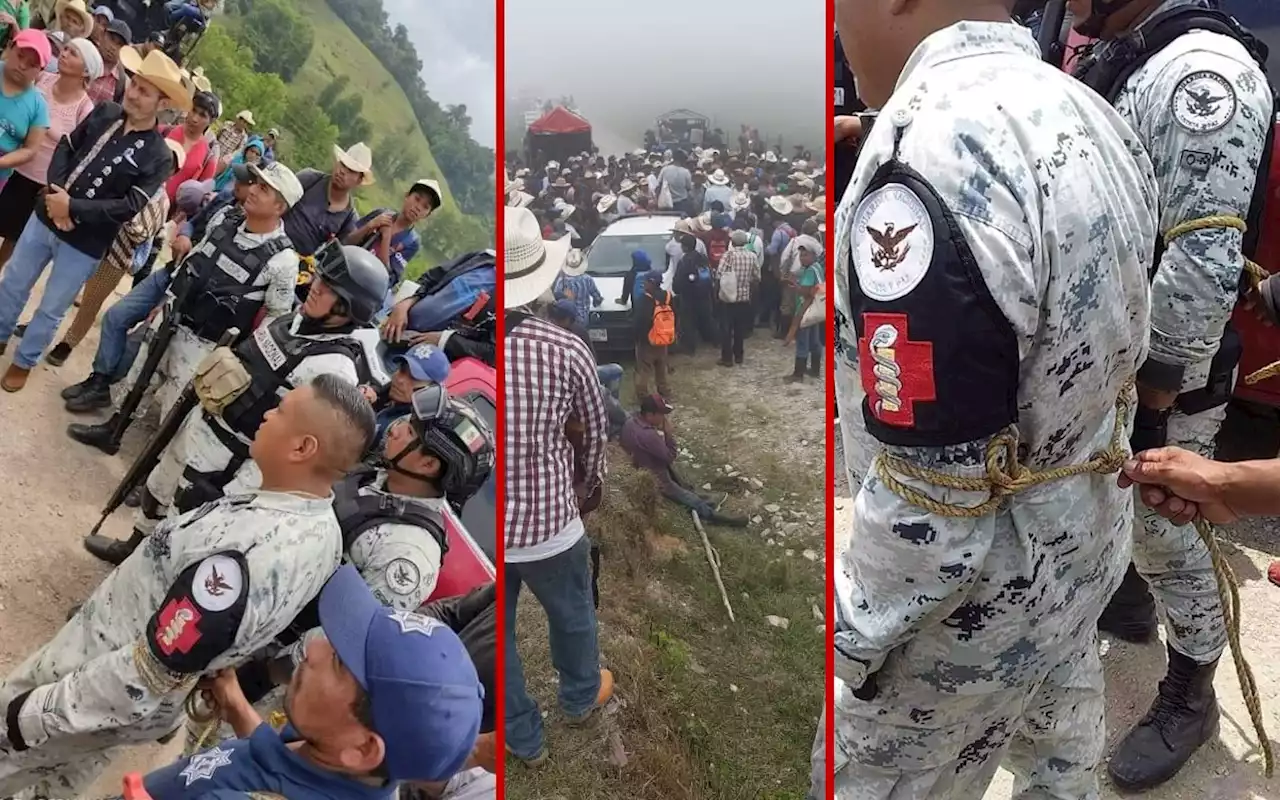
[[338, 51]]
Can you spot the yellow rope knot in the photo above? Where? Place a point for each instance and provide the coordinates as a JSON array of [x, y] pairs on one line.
[[1007, 476]]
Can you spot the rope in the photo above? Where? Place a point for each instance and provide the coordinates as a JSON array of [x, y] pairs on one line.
[[1255, 272], [1005, 476]]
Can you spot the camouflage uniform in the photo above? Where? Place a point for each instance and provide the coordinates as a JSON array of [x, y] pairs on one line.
[[980, 633], [232, 573], [1206, 157]]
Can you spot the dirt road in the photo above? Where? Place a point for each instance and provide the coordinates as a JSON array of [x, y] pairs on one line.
[[1229, 768], [53, 490]]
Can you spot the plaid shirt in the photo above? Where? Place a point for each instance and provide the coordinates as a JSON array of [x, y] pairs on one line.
[[550, 376], [742, 262]]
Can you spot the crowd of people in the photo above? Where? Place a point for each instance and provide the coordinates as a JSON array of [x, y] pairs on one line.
[[1037, 273], [294, 509], [745, 252]]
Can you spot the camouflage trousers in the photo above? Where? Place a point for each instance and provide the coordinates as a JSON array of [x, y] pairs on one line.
[[55, 781], [908, 746], [1176, 563]]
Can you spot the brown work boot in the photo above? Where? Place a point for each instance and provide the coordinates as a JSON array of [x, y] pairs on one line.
[[602, 697], [15, 378]]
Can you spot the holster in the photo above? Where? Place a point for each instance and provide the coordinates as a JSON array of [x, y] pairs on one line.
[[220, 379]]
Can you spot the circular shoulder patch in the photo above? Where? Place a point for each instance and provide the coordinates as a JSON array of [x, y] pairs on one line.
[[402, 576], [1204, 102], [218, 583], [892, 242]]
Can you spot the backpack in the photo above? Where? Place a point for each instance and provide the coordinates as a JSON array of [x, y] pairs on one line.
[[663, 330]]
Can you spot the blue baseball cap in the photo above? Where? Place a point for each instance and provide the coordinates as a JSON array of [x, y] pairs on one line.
[[426, 696], [426, 363]]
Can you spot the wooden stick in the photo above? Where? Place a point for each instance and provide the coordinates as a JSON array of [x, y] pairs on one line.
[[713, 560]]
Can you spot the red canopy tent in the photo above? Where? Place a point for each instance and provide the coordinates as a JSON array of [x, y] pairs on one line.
[[557, 135]]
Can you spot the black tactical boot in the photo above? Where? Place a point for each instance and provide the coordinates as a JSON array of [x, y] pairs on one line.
[[1183, 717], [1131, 614], [113, 551], [798, 375], [98, 436], [75, 390], [815, 364], [95, 394]]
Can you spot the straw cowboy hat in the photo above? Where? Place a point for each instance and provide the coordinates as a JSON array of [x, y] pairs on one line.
[[561, 183], [700, 223], [771, 157], [518, 199], [780, 205], [160, 71], [566, 211], [817, 205], [607, 202], [516, 185], [530, 263], [78, 8], [718, 178], [357, 159], [740, 200], [627, 185], [574, 263]]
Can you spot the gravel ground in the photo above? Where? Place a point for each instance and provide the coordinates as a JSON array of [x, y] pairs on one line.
[[1230, 767], [56, 490]]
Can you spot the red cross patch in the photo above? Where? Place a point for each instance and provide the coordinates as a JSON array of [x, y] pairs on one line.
[[177, 630], [896, 372]]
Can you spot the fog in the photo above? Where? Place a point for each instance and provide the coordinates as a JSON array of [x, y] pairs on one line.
[[754, 62]]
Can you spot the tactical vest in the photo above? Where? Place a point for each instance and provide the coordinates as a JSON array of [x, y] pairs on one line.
[[358, 513], [918, 365], [1108, 75], [216, 284], [271, 355]]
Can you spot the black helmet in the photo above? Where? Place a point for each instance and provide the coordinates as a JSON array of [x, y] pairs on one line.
[[1092, 25], [208, 102], [355, 275], [452, 430]]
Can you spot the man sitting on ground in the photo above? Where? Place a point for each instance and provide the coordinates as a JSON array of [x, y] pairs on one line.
[[648, 439]]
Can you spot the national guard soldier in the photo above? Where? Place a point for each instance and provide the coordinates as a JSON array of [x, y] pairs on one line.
[[210, 454], [393, 529], [1187, 82], [991, 263], [245, 263], [210, 588]]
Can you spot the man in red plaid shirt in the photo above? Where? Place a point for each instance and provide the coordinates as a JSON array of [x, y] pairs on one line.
[[551, 388]]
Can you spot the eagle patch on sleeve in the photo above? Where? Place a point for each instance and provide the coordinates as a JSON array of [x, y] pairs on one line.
[[1204, 102]]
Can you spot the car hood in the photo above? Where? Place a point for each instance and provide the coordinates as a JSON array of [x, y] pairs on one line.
[[611, 288]]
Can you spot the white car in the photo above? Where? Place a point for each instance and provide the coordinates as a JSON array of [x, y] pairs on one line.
[[608, 260]]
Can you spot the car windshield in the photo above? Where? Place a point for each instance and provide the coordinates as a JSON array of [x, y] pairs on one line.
[[611, 255], [479, 515]]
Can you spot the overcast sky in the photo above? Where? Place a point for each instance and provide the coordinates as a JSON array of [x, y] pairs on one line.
[[760, 62], [455, 42]]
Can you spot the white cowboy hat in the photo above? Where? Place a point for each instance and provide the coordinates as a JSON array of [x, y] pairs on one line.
[[780, 205], [553, 165], [566, 210], [359, 158], [718, 178], [520, 173], [627, 185], [771, 157], [574, 263], [639, 151], [809, 243], [516, 185], [530, 263], [801, 164], [518, 199], [607, 202], [740, 200]]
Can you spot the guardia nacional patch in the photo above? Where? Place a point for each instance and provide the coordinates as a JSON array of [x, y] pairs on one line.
[[1204, 102]]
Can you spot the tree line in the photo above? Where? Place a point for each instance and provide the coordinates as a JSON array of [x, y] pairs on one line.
[[468, 166]]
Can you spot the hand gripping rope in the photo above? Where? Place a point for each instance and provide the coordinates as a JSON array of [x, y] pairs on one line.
[[1006, 477]]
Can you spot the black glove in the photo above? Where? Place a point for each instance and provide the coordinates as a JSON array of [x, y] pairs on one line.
[[1150, 428]]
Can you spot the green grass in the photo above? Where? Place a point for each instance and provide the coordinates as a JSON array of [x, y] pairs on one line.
[[713, 709]]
